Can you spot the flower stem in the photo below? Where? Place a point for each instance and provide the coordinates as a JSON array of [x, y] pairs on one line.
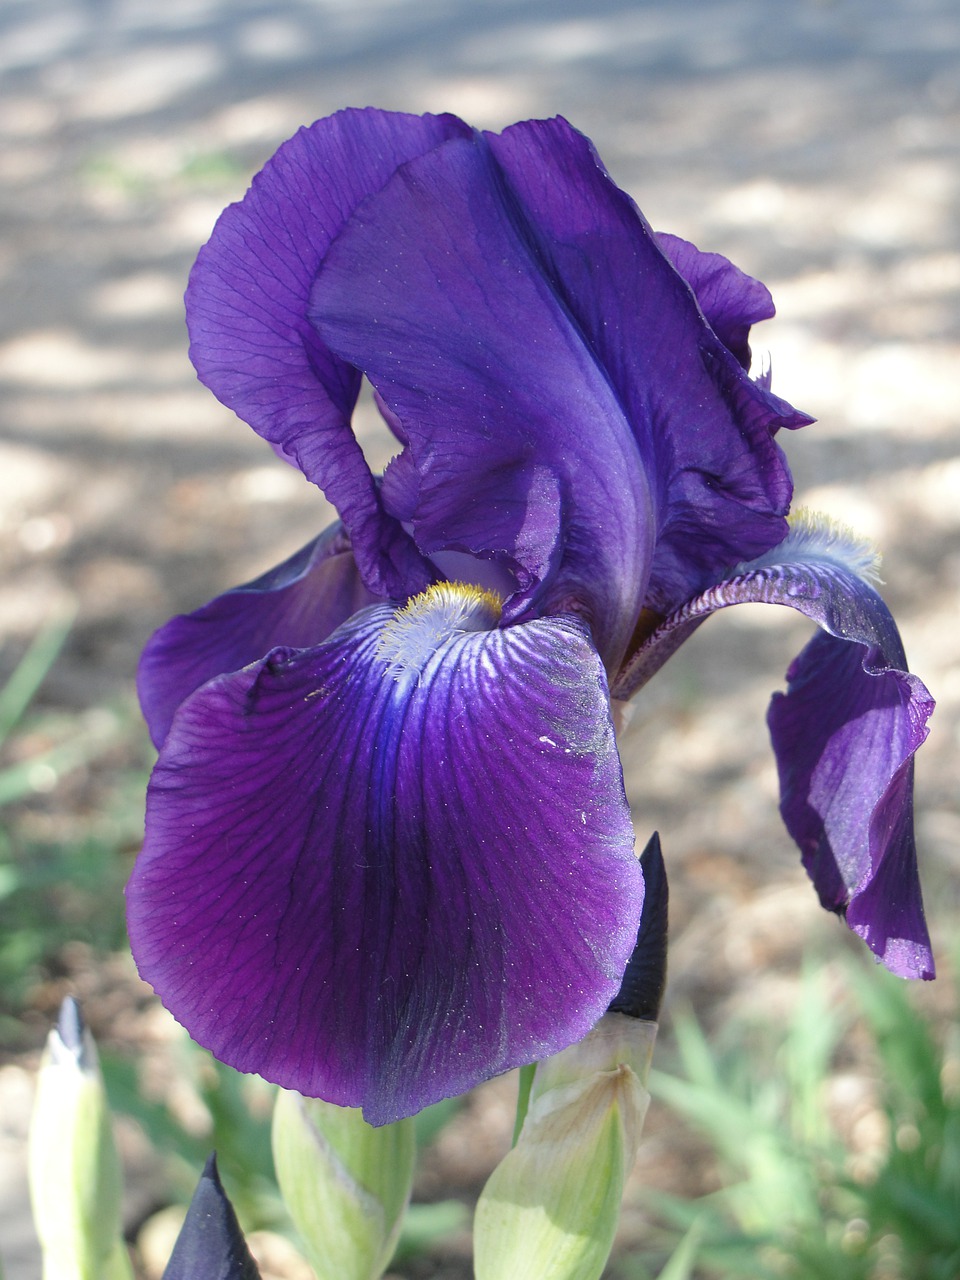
[[523, 1097]]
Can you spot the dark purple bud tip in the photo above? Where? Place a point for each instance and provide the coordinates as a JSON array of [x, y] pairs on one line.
[[210, 1243], [646, 973]]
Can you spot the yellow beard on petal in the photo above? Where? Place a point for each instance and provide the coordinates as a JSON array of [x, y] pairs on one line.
[[430, 619]]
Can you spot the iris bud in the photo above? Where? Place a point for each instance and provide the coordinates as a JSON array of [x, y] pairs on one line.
[[74, 1170], [550, 1209], [210, 1244], [345, 1183]]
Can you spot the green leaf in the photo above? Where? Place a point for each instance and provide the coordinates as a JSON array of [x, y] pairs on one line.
[[17, 694], [684, 1257]]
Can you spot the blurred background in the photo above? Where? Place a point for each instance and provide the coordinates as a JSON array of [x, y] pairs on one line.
[[816, 144]]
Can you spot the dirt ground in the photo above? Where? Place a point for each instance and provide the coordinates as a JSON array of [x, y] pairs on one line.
[[816, 144]]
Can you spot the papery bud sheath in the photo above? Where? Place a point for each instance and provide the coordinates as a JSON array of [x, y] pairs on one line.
[[74, 1170], [345, 1183]]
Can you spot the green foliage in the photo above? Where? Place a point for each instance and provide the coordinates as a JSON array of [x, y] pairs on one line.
[[426, 1225], [797, 1201], [29, 674], [218, 1109], [231, 1114], [61, 876]]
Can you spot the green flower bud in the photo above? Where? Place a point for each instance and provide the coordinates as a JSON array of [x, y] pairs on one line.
[[345, 1183], [75, 1179], [551, 1207]]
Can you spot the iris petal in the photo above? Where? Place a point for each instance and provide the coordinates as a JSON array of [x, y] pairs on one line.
[[299, 603], [703, 428], [730, 300], [526, 335], [251, 341], [380, 891], [436, 290], [844, 735]]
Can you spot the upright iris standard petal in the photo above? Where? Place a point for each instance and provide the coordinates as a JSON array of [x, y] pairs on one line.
[[844, 734], [299, 603], [554, 343], [703, 428], [730, 300], [521, 448], [251, 341], [562, 401], [379, 870]]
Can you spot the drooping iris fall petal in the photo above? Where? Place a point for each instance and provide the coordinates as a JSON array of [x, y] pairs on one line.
[[297, 604], [380, 884], [845, 733]]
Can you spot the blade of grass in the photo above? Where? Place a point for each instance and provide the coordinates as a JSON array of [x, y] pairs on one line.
[[19, 780], [30, 672], [684, 1257]]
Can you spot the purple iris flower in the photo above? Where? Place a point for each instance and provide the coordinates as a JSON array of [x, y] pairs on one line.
[[388, 850]]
